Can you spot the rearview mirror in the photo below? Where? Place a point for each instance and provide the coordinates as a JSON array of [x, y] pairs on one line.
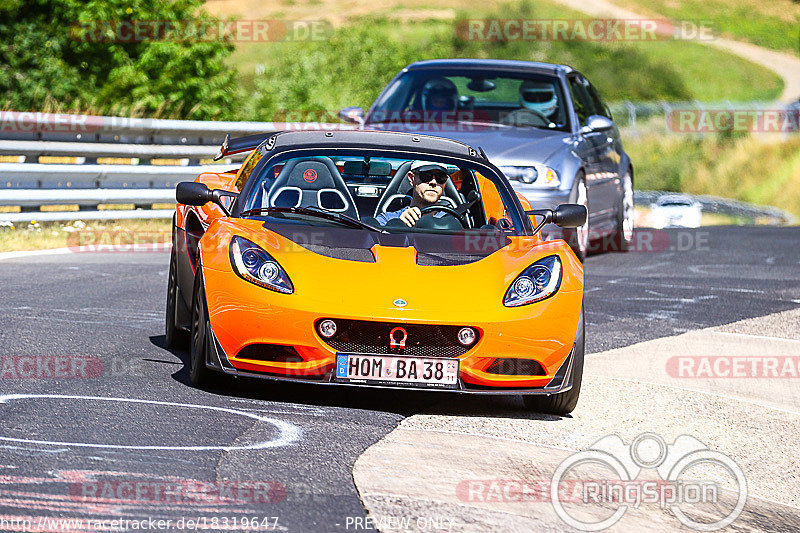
[[352, 114], [197, 194], [564, 216], [481, 85]]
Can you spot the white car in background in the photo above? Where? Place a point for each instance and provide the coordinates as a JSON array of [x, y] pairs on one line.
[[676, 211]]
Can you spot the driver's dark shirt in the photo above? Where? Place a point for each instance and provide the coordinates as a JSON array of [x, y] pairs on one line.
[[383, 218]]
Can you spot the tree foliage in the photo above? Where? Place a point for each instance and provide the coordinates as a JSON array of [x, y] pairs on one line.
[[45, 63]]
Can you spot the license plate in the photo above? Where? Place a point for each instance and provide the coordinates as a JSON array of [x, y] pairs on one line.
[[390, 370]]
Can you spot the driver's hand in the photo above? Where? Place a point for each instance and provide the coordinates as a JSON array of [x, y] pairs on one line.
[[410, 216]]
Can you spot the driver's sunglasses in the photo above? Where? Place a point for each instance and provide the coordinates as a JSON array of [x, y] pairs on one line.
[[427, 175]]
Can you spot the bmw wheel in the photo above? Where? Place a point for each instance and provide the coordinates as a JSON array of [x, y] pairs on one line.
[[623, 236], [578, 238]]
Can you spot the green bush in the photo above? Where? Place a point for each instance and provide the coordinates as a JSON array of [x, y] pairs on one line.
[[44, 64]]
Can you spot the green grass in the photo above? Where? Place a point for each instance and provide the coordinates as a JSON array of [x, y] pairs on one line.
[[773, 24], [44, 235]]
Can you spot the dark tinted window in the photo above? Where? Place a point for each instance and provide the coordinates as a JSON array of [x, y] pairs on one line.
[[600, 106], [581, 99]]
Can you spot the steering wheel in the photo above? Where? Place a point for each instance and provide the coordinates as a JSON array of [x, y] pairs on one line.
[[512, 118], [448, 210]]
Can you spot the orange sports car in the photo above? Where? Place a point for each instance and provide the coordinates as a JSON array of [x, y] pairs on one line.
[[376, 259]]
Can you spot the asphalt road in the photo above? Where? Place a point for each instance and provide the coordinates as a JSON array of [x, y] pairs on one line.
[[82, 336]]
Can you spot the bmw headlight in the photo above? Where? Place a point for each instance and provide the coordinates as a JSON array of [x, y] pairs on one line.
[[255, 265], [537, 282], [539, 176]]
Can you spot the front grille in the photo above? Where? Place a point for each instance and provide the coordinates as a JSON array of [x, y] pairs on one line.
[[423, 340], [516, 367], [275, 353]]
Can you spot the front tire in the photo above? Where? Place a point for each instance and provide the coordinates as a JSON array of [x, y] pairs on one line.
[[199, 373], [176, 338], [563, 403]]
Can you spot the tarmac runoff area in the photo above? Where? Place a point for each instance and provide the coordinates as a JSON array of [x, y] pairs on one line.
[[487, 465]]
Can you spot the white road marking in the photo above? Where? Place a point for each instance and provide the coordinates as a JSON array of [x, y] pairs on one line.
[[111, 248], [755, 336], [288, 433], [690, 287]]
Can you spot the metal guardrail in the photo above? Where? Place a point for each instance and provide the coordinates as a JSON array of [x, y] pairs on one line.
[[723, 206], [91, 176], [635, 118], [30, 183]]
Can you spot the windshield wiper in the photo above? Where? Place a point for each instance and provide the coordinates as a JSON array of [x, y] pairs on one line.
[[314, 212]]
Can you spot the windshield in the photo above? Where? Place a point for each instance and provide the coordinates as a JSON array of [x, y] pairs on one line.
[[383, 194], [484, 97]]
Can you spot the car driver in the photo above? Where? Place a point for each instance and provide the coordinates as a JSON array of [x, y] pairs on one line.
[[427, 185]]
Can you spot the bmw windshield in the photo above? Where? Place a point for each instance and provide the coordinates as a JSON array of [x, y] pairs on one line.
[[472, 96]]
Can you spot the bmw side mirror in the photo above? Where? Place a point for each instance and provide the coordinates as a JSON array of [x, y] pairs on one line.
[[352, 114], [197, 194], [597, 123], [564, 216]]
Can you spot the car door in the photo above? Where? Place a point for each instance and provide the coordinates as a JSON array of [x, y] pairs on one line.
[[610, 154], [600, 178]]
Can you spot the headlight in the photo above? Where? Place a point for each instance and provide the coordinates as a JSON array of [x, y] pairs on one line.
[[255, 265], [537, 282], [539, 176]]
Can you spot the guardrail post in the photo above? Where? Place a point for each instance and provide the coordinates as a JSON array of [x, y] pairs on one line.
[[631, 116]]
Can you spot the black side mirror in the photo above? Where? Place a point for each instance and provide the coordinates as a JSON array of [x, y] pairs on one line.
[[192, 193], [570, 215], [564, 216], [196, 193]]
